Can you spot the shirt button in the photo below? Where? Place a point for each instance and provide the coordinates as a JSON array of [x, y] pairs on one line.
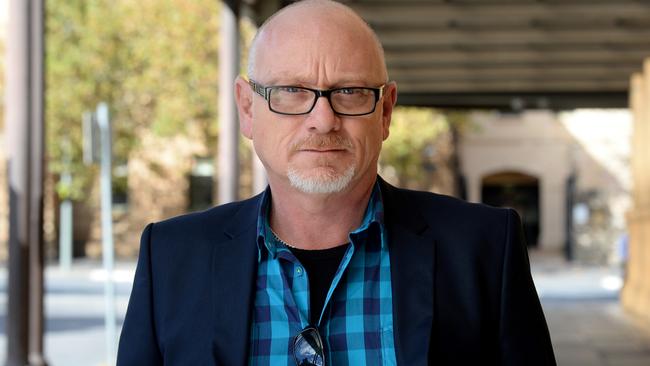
[[299, 271]]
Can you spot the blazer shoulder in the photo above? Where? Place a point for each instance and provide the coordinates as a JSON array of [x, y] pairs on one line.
[[442, 207], [449, 217]]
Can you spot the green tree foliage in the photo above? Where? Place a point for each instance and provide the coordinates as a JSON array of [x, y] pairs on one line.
[[413, 133], [154, 61]]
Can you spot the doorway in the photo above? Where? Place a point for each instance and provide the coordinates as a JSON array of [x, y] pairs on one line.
[[518, 191]]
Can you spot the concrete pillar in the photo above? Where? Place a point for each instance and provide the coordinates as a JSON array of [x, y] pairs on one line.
[[640, 229], [638, 113], [639, 220], [259, 173], [644, 133], [635, 264], [17, 122], [636, 293], [636, 270], [641, 212], [24, 121], [553, 212], [228, 159], [474, 186]]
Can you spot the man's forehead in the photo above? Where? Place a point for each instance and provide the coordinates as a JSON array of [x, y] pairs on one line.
[[315, 32], [323, 68], [341, 58], [307, 13], [289, 78], [311, 32]]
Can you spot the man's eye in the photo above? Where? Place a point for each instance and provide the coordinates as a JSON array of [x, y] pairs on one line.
[[347, 91], [351, 91], [291, 89]]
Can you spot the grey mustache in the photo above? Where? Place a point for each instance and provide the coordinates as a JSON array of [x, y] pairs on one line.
[[320, 142]]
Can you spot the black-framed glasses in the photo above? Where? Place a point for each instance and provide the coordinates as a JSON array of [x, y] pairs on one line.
[[295, 100], [308, 348]]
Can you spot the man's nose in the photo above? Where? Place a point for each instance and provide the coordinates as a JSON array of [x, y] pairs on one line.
[[322, 118]]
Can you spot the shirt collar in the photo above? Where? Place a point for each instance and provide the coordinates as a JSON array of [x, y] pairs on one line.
[[373, 217]]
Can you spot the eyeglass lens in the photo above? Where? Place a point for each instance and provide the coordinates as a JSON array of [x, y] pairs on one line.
[[308, 348], [294, 100]]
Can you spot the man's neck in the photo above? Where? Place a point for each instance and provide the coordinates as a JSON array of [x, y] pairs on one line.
[[318, 221]]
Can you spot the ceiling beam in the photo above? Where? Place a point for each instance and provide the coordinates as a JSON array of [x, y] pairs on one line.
[[521, 72], [417, 57], [515, 101], [524, 37], [420, 11], [513, 85], [481, 24]]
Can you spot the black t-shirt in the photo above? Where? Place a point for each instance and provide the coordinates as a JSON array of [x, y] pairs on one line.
[[321, 266]]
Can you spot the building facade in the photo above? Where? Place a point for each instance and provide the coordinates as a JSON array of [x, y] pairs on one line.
[[565, 173]]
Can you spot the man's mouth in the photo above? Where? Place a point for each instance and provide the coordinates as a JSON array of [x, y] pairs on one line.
[[323, 150]]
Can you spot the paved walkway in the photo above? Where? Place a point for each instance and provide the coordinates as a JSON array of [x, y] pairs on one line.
[[587, 324], [596, 333]]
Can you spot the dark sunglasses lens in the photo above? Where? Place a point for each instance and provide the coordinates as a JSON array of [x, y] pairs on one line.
[[308, 348]]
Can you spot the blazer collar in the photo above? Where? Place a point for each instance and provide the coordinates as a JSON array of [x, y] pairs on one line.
[[412, 256]]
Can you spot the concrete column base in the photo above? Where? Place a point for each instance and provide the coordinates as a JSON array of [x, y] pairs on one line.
[[636, 292]]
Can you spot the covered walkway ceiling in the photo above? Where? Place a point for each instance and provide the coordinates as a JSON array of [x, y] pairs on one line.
[[511, 53]]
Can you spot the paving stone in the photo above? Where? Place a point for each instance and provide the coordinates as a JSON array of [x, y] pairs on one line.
[[628, 360], [577, 356]]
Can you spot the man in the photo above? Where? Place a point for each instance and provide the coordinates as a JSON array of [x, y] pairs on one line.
[[331, 265]]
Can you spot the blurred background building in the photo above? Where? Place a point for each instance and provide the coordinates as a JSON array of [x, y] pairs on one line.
[[566, 173]]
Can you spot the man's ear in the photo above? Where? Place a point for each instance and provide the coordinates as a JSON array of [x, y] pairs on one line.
[[388, 103], [244, 100]]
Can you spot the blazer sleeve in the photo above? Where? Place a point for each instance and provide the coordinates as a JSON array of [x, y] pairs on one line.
[[524, 336], [138, 344]]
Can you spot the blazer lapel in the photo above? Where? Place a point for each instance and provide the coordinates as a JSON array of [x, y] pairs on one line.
[[412, 256], [234, 268]]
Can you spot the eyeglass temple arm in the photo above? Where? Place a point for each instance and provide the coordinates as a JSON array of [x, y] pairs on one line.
[[259, 89], [381, 92]]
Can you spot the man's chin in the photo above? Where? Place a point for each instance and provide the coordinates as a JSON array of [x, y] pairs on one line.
[[320, 180]]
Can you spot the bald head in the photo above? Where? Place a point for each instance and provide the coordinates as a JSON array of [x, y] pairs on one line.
[[317, 24], [317, 45]]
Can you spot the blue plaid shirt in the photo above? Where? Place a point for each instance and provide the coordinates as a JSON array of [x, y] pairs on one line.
[[357, 319]]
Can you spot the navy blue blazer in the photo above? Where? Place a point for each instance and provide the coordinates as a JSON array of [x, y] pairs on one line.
[[462, 289]]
